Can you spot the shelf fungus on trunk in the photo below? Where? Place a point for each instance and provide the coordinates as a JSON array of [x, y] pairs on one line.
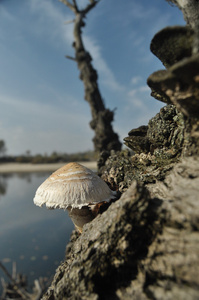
[[77, 189]]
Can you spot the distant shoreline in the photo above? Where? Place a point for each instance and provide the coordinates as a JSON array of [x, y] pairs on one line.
[[29, 168]]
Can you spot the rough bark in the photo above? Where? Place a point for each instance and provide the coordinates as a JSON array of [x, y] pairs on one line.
[[105, 138], [190, 10], [146, 244]]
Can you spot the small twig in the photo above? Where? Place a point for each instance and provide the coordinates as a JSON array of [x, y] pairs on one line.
[[6, 272], [89, 6], [38, 289], [3, 283], [69, 22], [15, 289], [70, 57], [75, 8], [14, 270], [24, 295], [67, 3], [75, 5]]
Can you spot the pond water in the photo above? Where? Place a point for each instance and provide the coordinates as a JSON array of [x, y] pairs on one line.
[[33, 237]]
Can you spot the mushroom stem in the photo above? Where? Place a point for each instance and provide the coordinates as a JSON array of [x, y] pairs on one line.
[[77, 189], [80, 216]]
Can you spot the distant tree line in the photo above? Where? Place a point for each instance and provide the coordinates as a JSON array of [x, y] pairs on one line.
[[54, 157]]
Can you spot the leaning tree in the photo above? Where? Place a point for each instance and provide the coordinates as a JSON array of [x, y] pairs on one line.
[[105, 138]]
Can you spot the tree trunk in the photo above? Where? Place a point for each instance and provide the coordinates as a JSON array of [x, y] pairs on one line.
[[190, 10], [146, 244], [105, 138]]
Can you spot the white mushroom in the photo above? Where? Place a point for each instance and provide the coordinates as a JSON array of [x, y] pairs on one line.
[[77, 189]]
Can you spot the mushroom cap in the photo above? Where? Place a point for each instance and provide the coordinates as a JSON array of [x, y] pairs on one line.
[[73, 186]]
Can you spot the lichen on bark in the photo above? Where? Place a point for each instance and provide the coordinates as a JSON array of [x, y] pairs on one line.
[[145, 245]]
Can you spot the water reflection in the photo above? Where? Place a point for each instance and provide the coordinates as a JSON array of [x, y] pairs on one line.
[[34, 237], [3, 186]]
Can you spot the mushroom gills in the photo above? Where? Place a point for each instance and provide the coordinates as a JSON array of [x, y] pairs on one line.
[[77, 189]]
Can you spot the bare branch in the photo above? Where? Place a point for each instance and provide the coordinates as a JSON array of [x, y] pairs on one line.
[[105, 138], [75, 5], [90, 6], [69, 22], [17, 286], [75, 8], [6, 272], [70, 57], [14, 270], [24, 295], [70, 5]]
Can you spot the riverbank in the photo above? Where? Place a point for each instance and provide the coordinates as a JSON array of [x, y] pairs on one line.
[[28, 168]]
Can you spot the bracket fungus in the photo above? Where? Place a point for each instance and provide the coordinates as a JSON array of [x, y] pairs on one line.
[[77, 189]]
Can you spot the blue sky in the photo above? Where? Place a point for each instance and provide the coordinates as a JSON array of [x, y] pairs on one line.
[[41, 97]]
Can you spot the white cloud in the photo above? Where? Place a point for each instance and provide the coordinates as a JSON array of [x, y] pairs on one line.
[[162, 21], [107, 76], [138, 91], [20, 139], [144, 88], [9, 21], [51, 21], [137, 101], [55, 18], [138, 108], [6, 15], [37, 110], [43, 127], [136, 79], [139, 11], [63, 125]]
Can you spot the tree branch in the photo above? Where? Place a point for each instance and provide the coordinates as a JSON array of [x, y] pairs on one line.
[[75, 8], [6, 272], [70, 57], [89, 6], [75, 5], [70, 5], [20, 290], [69, 22], [105, 138]]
